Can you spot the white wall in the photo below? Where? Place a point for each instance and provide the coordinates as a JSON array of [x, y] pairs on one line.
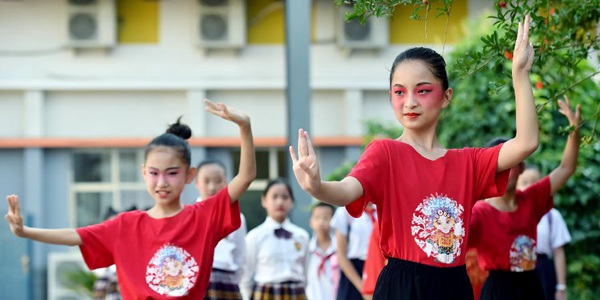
[[134, 90]]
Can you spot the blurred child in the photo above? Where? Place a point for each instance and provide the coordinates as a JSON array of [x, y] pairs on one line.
[[323, 270], [552, 236], [373, 264], [230, 252], [352, 235], [276, 250], [168, 250], [503, 229]]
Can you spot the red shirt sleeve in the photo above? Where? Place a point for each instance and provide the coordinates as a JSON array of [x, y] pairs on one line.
[[474, 227], [371, 171], [489, 183], [224, 215], [97, 243]]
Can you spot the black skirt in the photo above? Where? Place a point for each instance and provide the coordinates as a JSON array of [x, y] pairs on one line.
[[507, 285], [547, 275], [346, 290], [401, 279]]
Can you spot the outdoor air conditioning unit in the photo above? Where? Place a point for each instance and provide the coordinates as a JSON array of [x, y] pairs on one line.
[[60, 265], [374, 34], [91, 23], [220, 24]]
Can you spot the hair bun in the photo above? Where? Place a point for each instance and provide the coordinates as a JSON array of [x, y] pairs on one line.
[[179, 129]]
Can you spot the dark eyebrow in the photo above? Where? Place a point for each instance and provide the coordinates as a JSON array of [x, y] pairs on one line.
[[167, 169], [418, 84]]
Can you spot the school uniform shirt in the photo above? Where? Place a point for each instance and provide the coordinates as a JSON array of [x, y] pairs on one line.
[[424, 206], [271, 259], [162, 258], [507, 240], [231, 251], [552, 232], [323, 271], [356, 230]]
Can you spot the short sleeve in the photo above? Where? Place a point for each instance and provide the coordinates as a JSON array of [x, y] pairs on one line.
[[489, 183], [560, 233], [371, 171], [97, 242], [540, 196], [224, 214], [475, 227], [340, 221]]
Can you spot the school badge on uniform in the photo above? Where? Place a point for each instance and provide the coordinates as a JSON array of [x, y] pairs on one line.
[[297, 245]]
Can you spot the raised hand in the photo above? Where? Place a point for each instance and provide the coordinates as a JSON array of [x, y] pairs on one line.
[[565, 109], [13, 217], [523, 53], [227, 113], [306, 166]]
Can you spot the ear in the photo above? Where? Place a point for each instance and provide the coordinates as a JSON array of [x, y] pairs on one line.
[[263, 199], [447, 97], [191, 174], [143, 170]]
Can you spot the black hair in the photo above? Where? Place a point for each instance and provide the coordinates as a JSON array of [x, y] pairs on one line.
[[322, 204], [497, 141], [175, 137], [434, 61], [211, 161], [275, 181]]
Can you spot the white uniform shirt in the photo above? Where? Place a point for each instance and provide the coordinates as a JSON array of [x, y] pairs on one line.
[[321, 285], [360, 232], [270, 259], [552, 236], [230, 252]]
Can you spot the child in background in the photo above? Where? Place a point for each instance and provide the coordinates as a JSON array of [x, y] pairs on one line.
[[552, 236], [373, 264], [276, 250], [424, 192], [230, 252], [503, 229], [352, 235], [323, 270], [166, 251]]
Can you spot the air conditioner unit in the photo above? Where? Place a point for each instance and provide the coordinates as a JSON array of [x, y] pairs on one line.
[[60, 265], [374, 34], [220, 24], [91, 23]]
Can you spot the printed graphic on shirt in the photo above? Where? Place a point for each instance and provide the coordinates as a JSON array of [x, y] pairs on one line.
[[522, 254], [437, 228], [172, 271]]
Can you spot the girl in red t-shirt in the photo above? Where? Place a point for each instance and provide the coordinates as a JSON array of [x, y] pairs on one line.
[[504, 229], [412, 178], [168, 250]]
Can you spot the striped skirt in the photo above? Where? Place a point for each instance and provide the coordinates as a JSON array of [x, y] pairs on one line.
[[279, 291], [222, 286]]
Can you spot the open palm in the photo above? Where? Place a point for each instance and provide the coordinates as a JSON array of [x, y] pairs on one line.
[[13, 216], [306, 165], [227, 113]]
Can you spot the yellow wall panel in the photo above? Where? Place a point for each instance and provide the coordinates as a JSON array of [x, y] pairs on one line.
[[403, 30], [137, 21], [266, 24]]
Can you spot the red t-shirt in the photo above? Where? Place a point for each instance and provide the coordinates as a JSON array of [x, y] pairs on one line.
[[162, 258], [423, 205], [507, 240]]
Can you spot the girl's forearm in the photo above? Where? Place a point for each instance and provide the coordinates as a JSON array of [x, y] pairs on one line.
[[527, 135], [67, 236]]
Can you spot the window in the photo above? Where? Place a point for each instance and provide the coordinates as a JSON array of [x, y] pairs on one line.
[[270, 163], [103, 179]]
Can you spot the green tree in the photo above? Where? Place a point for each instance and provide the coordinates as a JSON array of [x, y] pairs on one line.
[[564, 34]]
